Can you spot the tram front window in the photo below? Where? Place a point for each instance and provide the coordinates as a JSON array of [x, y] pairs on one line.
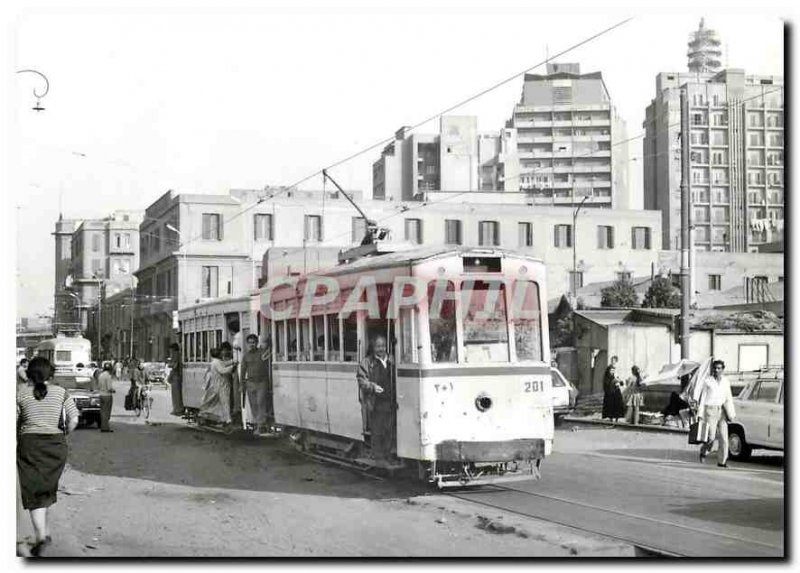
[[526, 317], [485, 322], [442, 321]]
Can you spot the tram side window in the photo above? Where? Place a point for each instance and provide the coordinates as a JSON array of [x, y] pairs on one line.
[[334, 348], [219, 339], [485, 321], [407, 346], [277, 345], [527, 321], [291, 340], [350, 333], [305, 334], [198, 349], [318, 338], [442, 321]]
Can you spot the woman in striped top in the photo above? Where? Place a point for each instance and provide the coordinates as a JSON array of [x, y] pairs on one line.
[[41, 444]]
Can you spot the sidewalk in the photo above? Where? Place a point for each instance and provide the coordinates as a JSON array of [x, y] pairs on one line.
[[593, 420]]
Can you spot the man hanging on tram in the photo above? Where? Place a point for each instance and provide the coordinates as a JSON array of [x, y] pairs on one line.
[[376, 393]]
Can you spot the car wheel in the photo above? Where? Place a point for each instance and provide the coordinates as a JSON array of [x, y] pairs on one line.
[[737, 446]]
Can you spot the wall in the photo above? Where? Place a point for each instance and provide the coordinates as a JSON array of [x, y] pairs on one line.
[[458, 159]]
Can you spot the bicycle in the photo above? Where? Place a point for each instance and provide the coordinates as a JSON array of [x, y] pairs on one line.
[[143, 400]]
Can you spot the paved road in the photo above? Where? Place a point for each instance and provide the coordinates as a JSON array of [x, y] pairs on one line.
[[650, 489], [644, 488]]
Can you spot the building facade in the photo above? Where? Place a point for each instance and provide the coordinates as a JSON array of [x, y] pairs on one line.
[[66, 311], [571, 143], [104, 255], [564, 142], [736, 150]]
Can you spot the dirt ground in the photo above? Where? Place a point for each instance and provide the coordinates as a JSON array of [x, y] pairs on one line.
[[167, 490]]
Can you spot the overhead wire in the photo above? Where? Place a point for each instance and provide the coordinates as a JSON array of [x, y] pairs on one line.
[[461, 103]]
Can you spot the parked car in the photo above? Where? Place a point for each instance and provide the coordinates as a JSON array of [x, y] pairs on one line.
[[759, 418], [87, 400], [565, 395]]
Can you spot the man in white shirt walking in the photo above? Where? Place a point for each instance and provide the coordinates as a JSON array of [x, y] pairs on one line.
[[716, 410]]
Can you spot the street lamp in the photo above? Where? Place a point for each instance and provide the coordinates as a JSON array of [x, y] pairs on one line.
[[37, 95], [574, 250]]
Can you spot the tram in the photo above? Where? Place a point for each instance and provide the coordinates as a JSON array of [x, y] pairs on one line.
[[469, 346], [65, 352], [205, 326]]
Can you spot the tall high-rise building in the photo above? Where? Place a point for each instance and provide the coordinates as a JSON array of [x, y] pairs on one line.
[[564, 142], [570, 140], [736, 138]]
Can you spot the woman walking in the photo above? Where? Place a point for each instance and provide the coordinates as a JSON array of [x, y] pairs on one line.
[[41, 443]]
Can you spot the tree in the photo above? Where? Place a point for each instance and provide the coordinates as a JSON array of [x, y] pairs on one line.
[[619, 294], [662, 294], [561, 333]]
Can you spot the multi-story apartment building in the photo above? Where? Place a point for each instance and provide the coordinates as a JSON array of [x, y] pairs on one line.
[[736, 140], [199, 247], [94, 257], [564, 142], [571, 143], [458, 158]]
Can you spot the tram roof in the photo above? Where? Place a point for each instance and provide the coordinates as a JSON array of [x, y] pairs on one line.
[[410, 256]]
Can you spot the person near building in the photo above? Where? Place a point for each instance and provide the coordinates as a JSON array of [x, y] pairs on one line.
[[635, 396], [376, 393], [255, 377], [613, 405], [42, 444], [105, 387], [22, 375], [175, 378], [716, 410], [118, 370]]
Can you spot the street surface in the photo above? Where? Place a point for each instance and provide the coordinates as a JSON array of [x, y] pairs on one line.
[[166, 489]]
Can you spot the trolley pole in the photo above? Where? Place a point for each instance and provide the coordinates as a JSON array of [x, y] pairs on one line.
[[686, 295]]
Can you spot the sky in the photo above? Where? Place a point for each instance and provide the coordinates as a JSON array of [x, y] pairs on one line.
[[202, 100]]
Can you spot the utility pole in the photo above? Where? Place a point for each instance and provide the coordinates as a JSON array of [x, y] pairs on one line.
[[575, 249], [686, 295]]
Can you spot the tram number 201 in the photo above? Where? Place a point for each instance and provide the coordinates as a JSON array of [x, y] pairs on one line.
[[534, 386]]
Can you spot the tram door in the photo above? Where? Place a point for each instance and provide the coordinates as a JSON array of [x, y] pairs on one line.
[[385, 328]]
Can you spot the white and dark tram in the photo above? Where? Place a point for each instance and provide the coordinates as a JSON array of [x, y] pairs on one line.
[[470, 351]]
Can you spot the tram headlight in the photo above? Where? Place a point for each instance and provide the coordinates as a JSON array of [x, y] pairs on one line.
[[483, 402]]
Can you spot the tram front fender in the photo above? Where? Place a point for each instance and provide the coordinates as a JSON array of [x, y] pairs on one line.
[[499, 451]]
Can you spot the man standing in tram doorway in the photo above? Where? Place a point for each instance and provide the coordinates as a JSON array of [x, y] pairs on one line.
[[376, 389], [255, 375]]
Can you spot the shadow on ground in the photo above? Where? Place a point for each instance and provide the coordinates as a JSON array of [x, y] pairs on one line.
[[178, 454], [760, 513]]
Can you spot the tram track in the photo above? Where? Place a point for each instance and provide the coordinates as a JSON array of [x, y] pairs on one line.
[[649, 535]]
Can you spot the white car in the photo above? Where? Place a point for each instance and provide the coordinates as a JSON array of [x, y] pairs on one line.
[[759, 418], [565, 395]]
